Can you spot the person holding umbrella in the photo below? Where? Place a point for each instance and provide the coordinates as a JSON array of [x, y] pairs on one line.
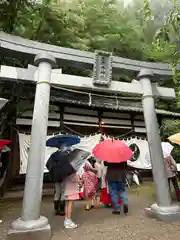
[[170, 166], [115, 154], [115, 176], [63, 143], [171, 172], [63, 166], [174, 139]]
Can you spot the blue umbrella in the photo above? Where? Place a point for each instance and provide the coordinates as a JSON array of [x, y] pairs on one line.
[[62, 140]]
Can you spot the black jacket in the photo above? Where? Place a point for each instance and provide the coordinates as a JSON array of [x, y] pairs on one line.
[[59, 167], [116, 171]]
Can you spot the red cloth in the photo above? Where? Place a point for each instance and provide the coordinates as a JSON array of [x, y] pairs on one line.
[[3, 143], [112, 151], [81, 195], [106, 199]]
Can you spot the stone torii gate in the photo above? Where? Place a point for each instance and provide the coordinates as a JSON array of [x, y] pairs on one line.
[[31, 224]]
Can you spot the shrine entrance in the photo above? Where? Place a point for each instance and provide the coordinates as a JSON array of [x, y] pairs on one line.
[[102, 64]]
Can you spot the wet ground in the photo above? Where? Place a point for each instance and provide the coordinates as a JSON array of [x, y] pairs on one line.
[[100, 224]]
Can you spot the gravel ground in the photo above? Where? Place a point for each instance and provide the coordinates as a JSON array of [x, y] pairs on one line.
[[100, 223]]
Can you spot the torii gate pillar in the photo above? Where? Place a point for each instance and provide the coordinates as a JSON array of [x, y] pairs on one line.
[[163, 209], [31, 225]]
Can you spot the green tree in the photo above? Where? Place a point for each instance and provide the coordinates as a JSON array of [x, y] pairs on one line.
[[142, 30]]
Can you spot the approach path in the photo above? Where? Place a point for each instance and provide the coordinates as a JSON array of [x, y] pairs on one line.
[[100, 223]]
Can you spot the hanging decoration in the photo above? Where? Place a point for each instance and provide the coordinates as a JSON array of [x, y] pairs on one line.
[[86, 144], [135, 150]]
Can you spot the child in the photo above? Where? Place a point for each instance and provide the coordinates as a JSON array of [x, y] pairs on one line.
[[71, 193], [90, 182]]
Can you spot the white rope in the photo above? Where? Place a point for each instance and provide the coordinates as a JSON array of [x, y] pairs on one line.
[[79, 134], [90, 100], [94, 94]]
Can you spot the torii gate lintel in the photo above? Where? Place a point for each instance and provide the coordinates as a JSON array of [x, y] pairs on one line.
[[82, 83]]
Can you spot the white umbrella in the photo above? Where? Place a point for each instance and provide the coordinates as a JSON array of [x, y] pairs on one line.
[[136, 179], [167, 149], [6, 149]]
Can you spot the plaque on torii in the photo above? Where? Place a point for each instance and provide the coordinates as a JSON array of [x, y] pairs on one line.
[[44, 76], [102, 69]]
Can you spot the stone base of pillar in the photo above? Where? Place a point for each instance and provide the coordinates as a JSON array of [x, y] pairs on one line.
[[166, 214], [27, 230]]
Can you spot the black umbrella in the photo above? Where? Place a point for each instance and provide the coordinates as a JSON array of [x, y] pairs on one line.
[[92, 160], [62, 164]]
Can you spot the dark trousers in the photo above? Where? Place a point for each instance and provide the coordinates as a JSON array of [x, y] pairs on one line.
[[174, 182]]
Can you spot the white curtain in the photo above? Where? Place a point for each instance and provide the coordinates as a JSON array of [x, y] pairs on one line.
[[87, 144], [24, 143]]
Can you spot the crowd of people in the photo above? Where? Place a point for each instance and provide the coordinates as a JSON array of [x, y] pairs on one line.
[[94, 176], [109, 178]]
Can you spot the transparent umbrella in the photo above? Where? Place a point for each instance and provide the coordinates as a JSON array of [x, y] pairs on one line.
[[167, 149]]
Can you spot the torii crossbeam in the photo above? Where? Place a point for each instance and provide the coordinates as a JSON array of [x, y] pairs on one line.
[[31, 224], [83, 83]]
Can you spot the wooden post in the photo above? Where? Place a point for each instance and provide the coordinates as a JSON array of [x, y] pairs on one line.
[[132, 121], [61, 110], [100, 113]]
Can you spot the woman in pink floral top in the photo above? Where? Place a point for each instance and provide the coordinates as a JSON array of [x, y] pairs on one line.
[[90, 181]]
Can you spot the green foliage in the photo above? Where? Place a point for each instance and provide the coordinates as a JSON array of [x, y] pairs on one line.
[[144, 30], [9, 11], [170, 127], [171, 30], [91, 24]]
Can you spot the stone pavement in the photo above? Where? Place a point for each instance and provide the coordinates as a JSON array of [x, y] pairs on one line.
[[100, 224]]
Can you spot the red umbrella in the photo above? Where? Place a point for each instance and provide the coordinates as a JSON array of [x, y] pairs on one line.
[[3, 143], [114, 151]]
